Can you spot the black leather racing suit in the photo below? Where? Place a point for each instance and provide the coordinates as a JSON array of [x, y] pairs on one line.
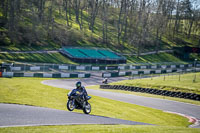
[[83, 92]]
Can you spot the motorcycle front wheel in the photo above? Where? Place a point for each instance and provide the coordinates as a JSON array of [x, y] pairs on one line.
[[70, 105], [87, 108]]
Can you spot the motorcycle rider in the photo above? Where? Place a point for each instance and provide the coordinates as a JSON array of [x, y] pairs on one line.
[[105, 81], [81, 90]]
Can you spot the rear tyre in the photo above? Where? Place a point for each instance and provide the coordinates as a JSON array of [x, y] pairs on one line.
[[70, 105], [87, 108]]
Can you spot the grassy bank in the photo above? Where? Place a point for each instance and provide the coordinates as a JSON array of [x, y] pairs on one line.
[[60, 59], [38, 58], [48, 45], [183, 82], [100, 129], [158, 58]]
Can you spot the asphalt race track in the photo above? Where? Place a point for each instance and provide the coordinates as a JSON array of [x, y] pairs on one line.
[[162, 104], [21, 115]]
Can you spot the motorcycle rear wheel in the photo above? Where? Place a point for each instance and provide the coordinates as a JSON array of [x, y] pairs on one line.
[[70, 105]]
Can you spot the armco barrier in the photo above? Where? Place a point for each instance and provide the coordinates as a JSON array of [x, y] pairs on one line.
[[46, 75], [43, 67], [38, 75], [178, 94], [141, 72], [18, 74], [56, 75], [7, 74]]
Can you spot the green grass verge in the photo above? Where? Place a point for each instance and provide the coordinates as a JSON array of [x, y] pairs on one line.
[[169, 82], [30, 91], [99, 129], [39, 58]]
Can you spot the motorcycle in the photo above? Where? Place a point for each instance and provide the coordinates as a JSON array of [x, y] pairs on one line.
[[105, 81], [77, 101]]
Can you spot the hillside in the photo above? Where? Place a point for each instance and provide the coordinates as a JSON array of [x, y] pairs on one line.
[[118, 25]]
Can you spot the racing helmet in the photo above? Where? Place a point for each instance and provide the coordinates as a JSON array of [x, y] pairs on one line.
[[78, 84]]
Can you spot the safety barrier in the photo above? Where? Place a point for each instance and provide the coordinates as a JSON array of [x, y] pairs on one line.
[[143, 72], [177, 94], [46, 67], [46, 75]]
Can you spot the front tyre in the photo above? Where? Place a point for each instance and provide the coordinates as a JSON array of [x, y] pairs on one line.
[[87, 108], [70, 105]]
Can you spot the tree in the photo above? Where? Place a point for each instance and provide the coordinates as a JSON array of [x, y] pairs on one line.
[[76, 6], [93, 6], [104, 20], [177, 19], [41, 7], [160, 20], [50, 22], [4, 9], [66, 7], [79, 6], [189, 15]]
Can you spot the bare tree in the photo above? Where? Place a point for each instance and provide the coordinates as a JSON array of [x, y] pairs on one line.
[[104, 20], [66, 6], [50, 22], [41, 7], [4, 6], [160, 20], [189, 15], [76, 6], [177, 19], [93, 6], [79, 6]]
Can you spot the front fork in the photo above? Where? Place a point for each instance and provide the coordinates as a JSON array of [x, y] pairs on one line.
[[72, 99]]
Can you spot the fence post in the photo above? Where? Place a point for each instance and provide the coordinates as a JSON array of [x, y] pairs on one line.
[[24, 67], [43, 67], [194, 78]]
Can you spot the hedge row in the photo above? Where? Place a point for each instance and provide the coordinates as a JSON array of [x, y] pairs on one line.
[[178, 94]]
